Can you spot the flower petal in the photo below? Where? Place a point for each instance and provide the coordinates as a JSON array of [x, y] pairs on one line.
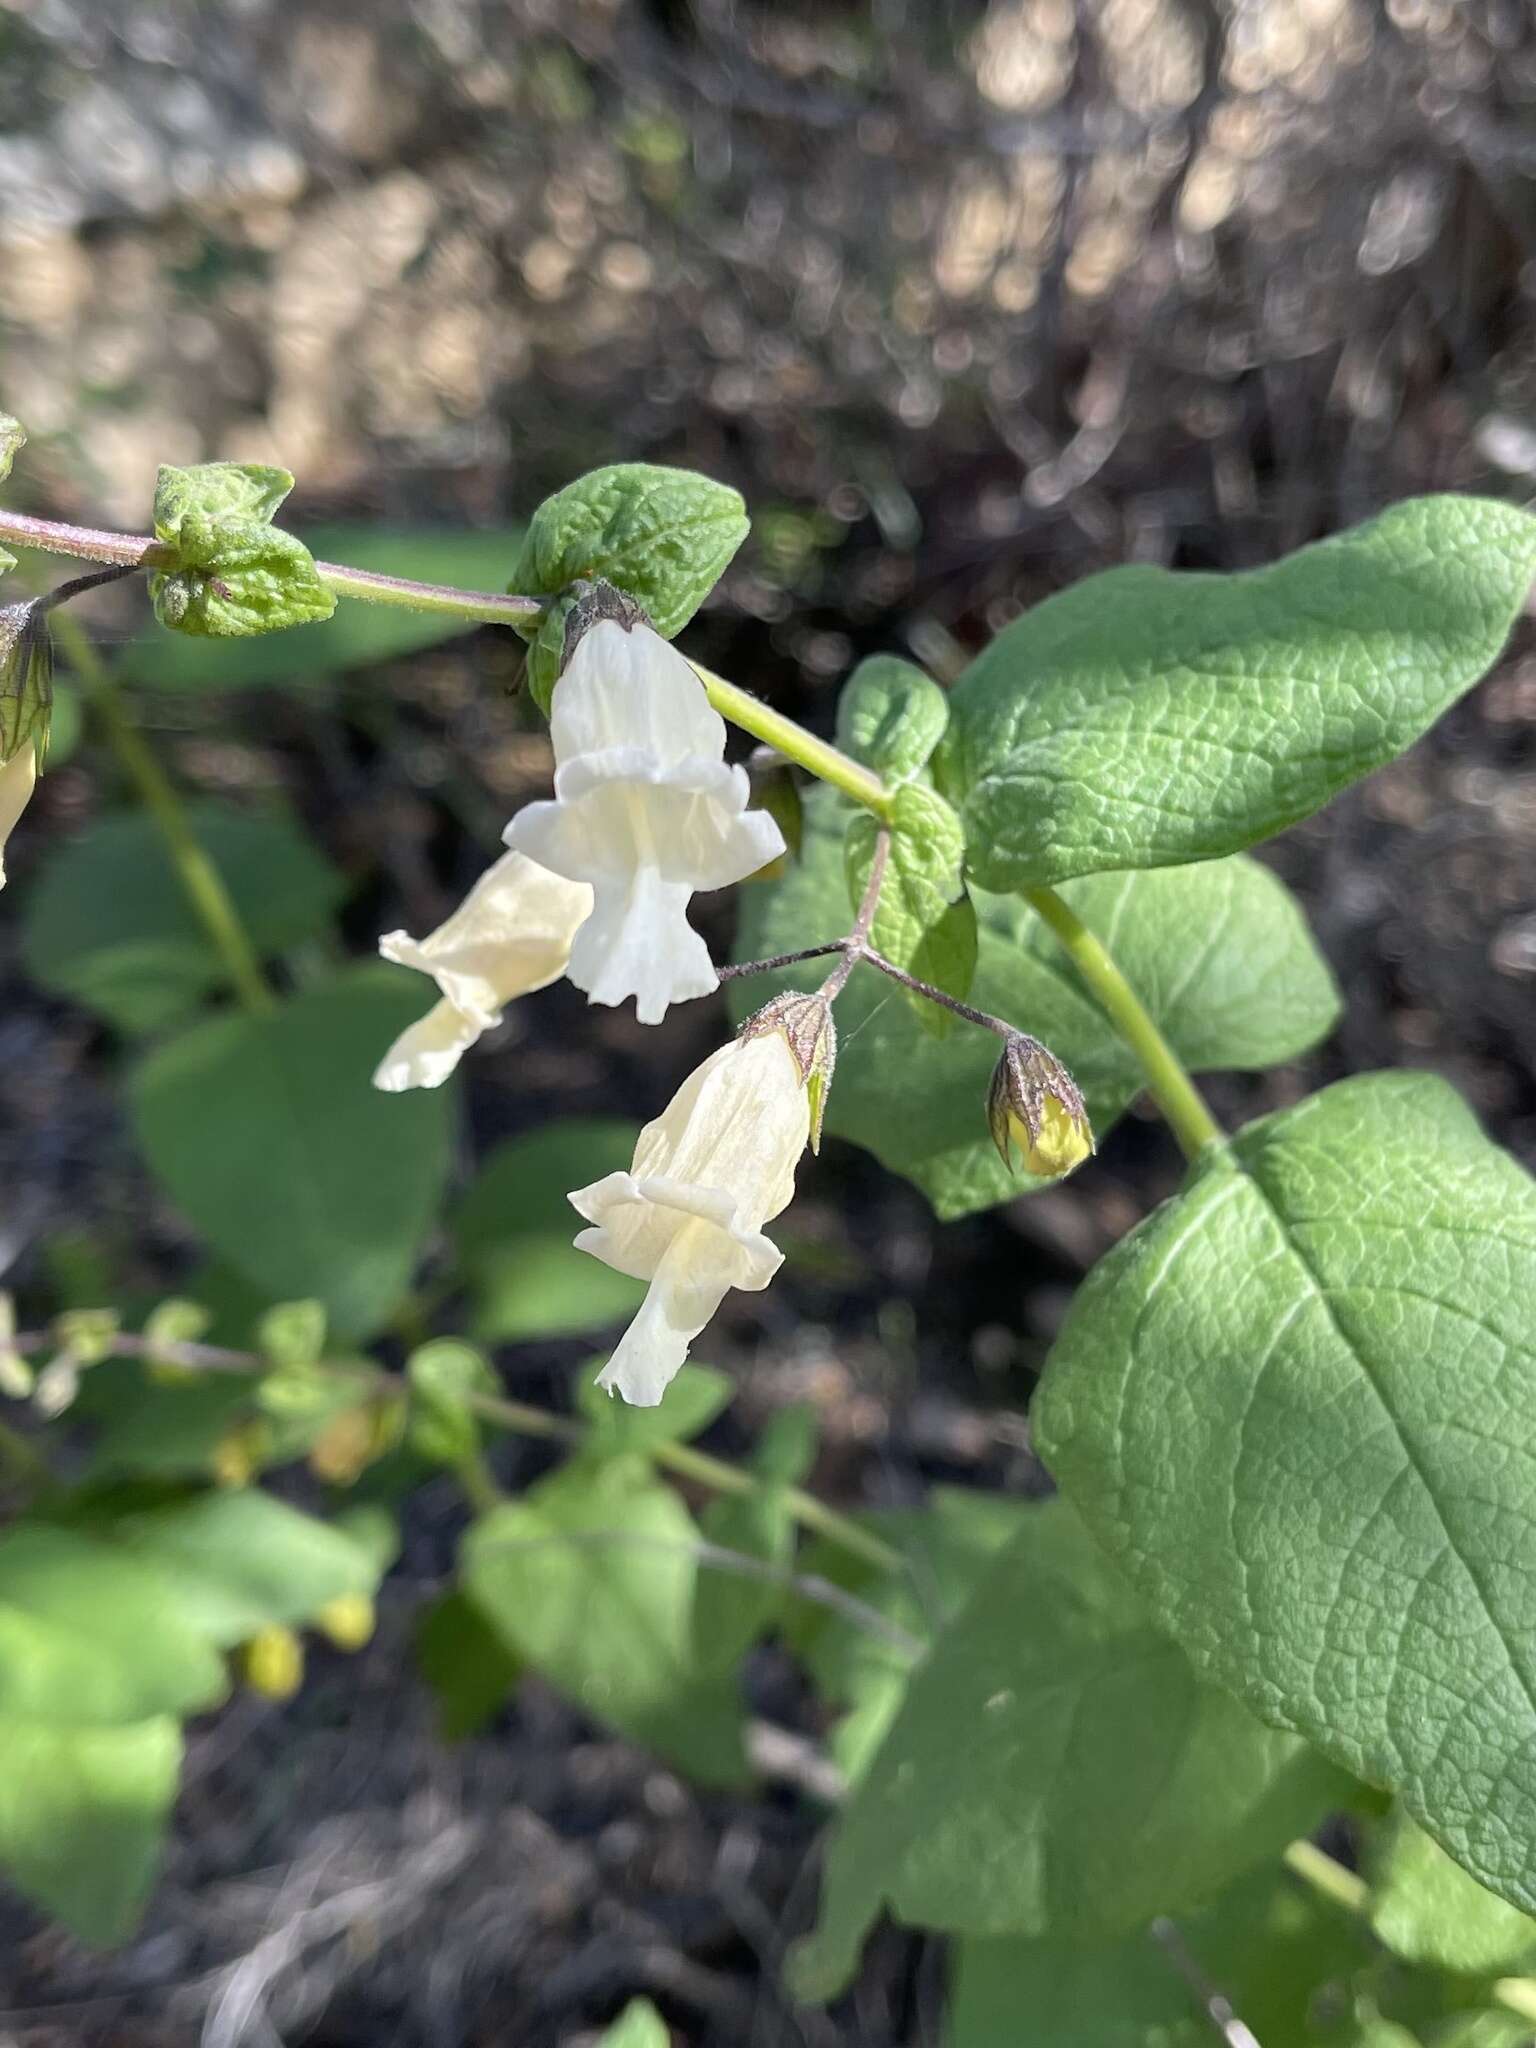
[[638, 942], [426, 1053], [18, 778], [632, 689]]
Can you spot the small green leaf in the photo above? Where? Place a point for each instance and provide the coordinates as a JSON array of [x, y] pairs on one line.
[[639, 2025], [891, 716], [13, 438], [356, 635], [248, 492], [267, 1132], [515, 1230], [1298, 1405], [238, 578], [662, 536], [590, 1579], [924, 921], [465, 1662], [1219, 953], [108, 923], [1427, 1910], [443, 1374], [83, 1812], [1146, 718], [1099, 1782], [238, 1560], [291, 1335]]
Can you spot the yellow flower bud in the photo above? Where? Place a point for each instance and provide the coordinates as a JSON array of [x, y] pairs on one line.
[[348, 1620], [236, 1457], [1034, 1104], [272, 1663]]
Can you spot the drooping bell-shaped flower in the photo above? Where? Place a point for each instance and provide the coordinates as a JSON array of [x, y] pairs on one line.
[[647, 811], [1035, 1104], [510, 935], [715, 1166]]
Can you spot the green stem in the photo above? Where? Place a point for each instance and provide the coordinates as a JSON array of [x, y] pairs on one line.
[[200, 879], [143, 551], [1343, 1888], [1175, 1093], [790, 739]]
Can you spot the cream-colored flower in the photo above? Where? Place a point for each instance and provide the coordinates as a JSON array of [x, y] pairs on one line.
[[511, 934], [647, 811], [18, 777], [715, 1166]]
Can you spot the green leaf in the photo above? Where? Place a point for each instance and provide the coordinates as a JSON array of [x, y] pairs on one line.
[[1271, 1950], [614, 1428], [590, 1579], [245, 491], [13, 438], [266, 1131], [235, 578], [443, 1374], [1146, 718], [357, 635], [163, 1428], [515, 1231], [546, 653], [1099, 1781], [924, 921], [121, 1607], [1219, 953], [1427, 1910], [639, 2025], [237, 1560], [663, 536], [108, 923], [946, 1547], [82, 1816], [1298, 1404], [891, 716], [465, 1662]]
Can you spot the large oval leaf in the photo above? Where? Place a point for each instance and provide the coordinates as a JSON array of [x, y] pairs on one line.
[[1098, 1781], [1145, 718], [269, 1134], [1220, 954], [1298, 1404]]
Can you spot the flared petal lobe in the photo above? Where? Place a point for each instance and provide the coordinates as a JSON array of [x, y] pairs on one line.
[[511, 934], [714, 1167]]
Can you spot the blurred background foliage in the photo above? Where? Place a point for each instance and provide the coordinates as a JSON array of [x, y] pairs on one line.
[[969, 300]]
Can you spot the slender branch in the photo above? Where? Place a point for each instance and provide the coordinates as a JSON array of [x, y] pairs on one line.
[[1174, 1092], [200, 879], [856, 944], [525, 1420], [937, 995], [778, 960], [1213, 2003], [143, 551], [790, 739]]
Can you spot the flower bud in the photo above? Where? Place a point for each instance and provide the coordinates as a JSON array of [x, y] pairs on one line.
[[1034, 1103], [805, 1023], [348, 1620], [272, 1662]]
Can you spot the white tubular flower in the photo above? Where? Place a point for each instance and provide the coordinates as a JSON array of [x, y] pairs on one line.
[[647, 811], [715, 1166], [18, 777], [510, 935]]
